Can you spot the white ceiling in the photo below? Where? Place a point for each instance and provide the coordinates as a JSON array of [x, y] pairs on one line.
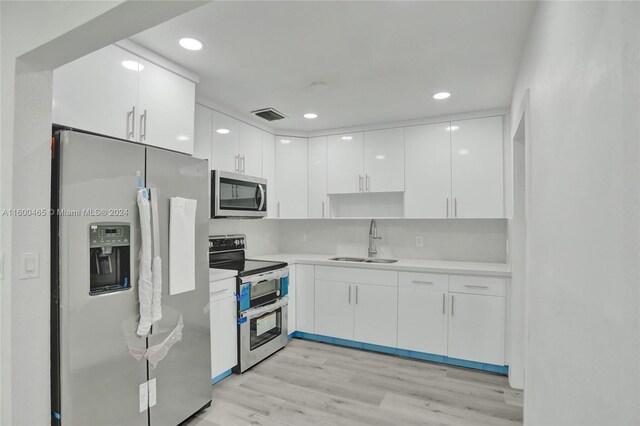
[[382, 60]]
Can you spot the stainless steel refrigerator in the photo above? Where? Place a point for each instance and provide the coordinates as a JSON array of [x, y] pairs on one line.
[[95, 233]]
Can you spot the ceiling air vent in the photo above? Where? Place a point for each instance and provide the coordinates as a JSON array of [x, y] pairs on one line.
[[269, 114]]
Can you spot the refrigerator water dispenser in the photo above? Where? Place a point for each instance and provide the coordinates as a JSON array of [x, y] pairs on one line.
[[109, 258]]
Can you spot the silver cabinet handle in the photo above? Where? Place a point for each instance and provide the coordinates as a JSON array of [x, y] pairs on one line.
[[278, 209], [356, 295], [243, 163], [143, 126], [323, 209], [452, 305], [131, 130], [455, 207], [360, 182], [349, 294], [447, 206], [237, 163], [368, 181], [476, 286], [421, 282], [443, 302]]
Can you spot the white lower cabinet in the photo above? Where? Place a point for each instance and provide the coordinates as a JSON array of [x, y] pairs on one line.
[[334, 309], [224, 326], [291, 307], [477, 327], [422, 321], [305, 298], [375, 318]]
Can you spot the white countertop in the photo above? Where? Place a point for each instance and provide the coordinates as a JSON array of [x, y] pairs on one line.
[[221, 274], [412, 265]]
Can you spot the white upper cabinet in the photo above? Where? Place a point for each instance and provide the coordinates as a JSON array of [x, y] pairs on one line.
[[98, 93], [477, 168], [428, 171], [166, 105], [317, 171], [345, 167], [116, 93], [291, 177], [384, 160], [269, 172], [224, 143], [202, 133], [250, 150]]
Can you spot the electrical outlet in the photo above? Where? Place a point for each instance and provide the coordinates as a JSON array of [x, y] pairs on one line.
[[303, 237], [419, 241]]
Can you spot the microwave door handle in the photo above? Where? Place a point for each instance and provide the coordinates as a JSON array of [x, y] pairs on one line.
[[262, 197]]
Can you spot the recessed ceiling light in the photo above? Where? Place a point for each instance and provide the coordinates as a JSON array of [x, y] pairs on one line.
[[132, 65], [463, 151], [190, 43], [441, 95], [380, 157], [223, 131], [182, 137], [347, 138], [285, 141], [310, 115], [452, 128]]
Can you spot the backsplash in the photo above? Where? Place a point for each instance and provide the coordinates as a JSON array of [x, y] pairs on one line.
[[475, 240], [479, 240]]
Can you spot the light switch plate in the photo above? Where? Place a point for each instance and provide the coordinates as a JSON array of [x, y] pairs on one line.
[[29, 265], [419, 241]]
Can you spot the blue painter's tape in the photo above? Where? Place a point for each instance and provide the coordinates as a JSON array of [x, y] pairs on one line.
[[56, 415], [245, 297], [242, 320], [500, 369], [284, 285], [219, 377]]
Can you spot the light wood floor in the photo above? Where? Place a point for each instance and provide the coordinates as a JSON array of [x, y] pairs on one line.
[[309, 383]]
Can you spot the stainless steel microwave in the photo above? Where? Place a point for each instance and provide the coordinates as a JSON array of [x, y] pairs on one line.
[[237, 195]]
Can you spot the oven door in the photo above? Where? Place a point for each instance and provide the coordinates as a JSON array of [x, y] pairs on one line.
[[236, 195], [262, 336]]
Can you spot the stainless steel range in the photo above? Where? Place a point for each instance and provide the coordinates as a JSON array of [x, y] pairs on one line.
[[262, 294]]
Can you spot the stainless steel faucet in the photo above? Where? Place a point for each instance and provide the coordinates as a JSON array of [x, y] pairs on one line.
[[373, 235]]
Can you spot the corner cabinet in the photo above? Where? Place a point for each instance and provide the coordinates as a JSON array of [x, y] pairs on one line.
[[291, 177], [117, 93]]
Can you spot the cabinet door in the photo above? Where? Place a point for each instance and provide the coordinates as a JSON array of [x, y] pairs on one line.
[[250, 149], [305, 298], [166, 103], [292, 307], [334, 309], [224, 143], [376, 314], [345, 173], [291, 177], [384, 160], [98, 92], [317, 164], [202, 133], [428, 171], [477, 328], [269, 172], [422, 320], [224, 334], [476, 168]]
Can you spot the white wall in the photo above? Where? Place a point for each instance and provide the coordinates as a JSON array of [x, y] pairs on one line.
[[582, 68], [460, 239], [35, 38]]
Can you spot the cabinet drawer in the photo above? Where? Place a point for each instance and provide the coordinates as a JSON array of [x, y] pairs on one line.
[[420, 280], [357, 275], [477, 285], [222, 289]]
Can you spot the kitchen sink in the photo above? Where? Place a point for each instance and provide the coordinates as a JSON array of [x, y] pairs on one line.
[[363, 259]]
